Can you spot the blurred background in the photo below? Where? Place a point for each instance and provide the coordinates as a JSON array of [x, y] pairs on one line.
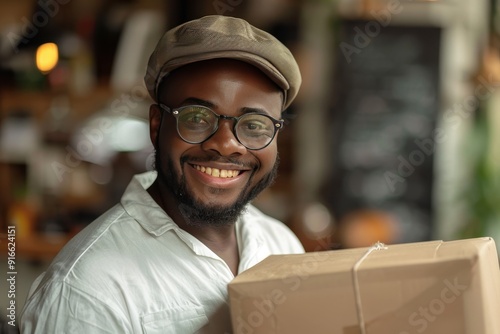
[[395, 136]]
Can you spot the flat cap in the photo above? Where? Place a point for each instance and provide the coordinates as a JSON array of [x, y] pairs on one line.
[[217, 36]]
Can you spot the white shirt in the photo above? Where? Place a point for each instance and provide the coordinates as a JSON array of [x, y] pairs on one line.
[[133, 270]]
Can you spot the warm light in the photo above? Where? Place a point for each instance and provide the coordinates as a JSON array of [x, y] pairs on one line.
[[47, 56]]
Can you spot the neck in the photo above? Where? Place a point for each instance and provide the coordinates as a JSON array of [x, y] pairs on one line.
[[221, 239]]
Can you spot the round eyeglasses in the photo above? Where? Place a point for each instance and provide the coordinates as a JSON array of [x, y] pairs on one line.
[[196, 123]]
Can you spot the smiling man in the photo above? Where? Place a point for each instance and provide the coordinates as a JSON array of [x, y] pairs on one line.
[[161, 259]]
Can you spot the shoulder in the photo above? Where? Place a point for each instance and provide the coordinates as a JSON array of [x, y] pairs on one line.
[[75, 281], [89, 248], [274, 232]]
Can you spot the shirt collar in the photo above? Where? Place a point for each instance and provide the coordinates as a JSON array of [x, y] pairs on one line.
[[143, 208]]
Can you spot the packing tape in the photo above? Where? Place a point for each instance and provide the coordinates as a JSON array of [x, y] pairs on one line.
[[357, 294]]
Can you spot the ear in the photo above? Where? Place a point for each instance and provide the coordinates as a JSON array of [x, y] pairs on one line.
[[154, 123]]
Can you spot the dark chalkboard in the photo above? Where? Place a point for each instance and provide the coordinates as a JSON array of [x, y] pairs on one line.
[[385, 102]]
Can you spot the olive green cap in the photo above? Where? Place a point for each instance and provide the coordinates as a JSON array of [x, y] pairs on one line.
[[217, 36]]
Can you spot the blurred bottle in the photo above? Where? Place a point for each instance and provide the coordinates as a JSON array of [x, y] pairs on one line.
[[22, 214]]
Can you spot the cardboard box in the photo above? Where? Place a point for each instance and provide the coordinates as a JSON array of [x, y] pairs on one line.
[[430, 287]]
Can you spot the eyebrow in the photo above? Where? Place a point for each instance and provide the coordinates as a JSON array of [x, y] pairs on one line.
[[194, 100], [208, 104], [248, 110]]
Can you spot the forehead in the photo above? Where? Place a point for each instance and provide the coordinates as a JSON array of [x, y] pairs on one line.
[[206, 74]]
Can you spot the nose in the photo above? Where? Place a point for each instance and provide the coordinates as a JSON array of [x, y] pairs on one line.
[[224, 140]]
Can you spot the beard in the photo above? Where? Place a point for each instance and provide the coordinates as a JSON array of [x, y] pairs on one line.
[[197, 213]]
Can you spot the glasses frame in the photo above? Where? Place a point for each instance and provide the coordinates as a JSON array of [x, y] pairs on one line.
[[278, 124]]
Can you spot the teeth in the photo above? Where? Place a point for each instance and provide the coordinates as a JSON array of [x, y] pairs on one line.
[[215, 172]]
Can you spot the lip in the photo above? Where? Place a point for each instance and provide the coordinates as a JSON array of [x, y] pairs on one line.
[[214, 181]]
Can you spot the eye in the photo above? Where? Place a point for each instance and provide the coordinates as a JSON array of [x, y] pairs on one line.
[[256, 126], [196, 118]]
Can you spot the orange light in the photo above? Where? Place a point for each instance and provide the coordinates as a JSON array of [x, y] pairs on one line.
[[47, 56]]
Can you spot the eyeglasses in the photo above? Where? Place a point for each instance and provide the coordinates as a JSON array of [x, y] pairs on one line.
[[196, 123]]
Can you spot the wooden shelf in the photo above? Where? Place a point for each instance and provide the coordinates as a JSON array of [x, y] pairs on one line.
[[39, 102], [34, 248]]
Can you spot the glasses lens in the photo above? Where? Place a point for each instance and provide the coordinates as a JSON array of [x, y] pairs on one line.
[[255, 131], [196, 123]]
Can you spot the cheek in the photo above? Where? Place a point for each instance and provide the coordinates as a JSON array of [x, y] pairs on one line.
[[169, 145], [267, 157], [168, 139]]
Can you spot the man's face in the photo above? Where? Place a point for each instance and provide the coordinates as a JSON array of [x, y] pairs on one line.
[[211, 182]]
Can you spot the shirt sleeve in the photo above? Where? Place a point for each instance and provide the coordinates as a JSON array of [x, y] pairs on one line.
[[61, 308]]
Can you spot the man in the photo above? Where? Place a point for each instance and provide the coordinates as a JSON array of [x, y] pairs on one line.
[[160, 260]]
